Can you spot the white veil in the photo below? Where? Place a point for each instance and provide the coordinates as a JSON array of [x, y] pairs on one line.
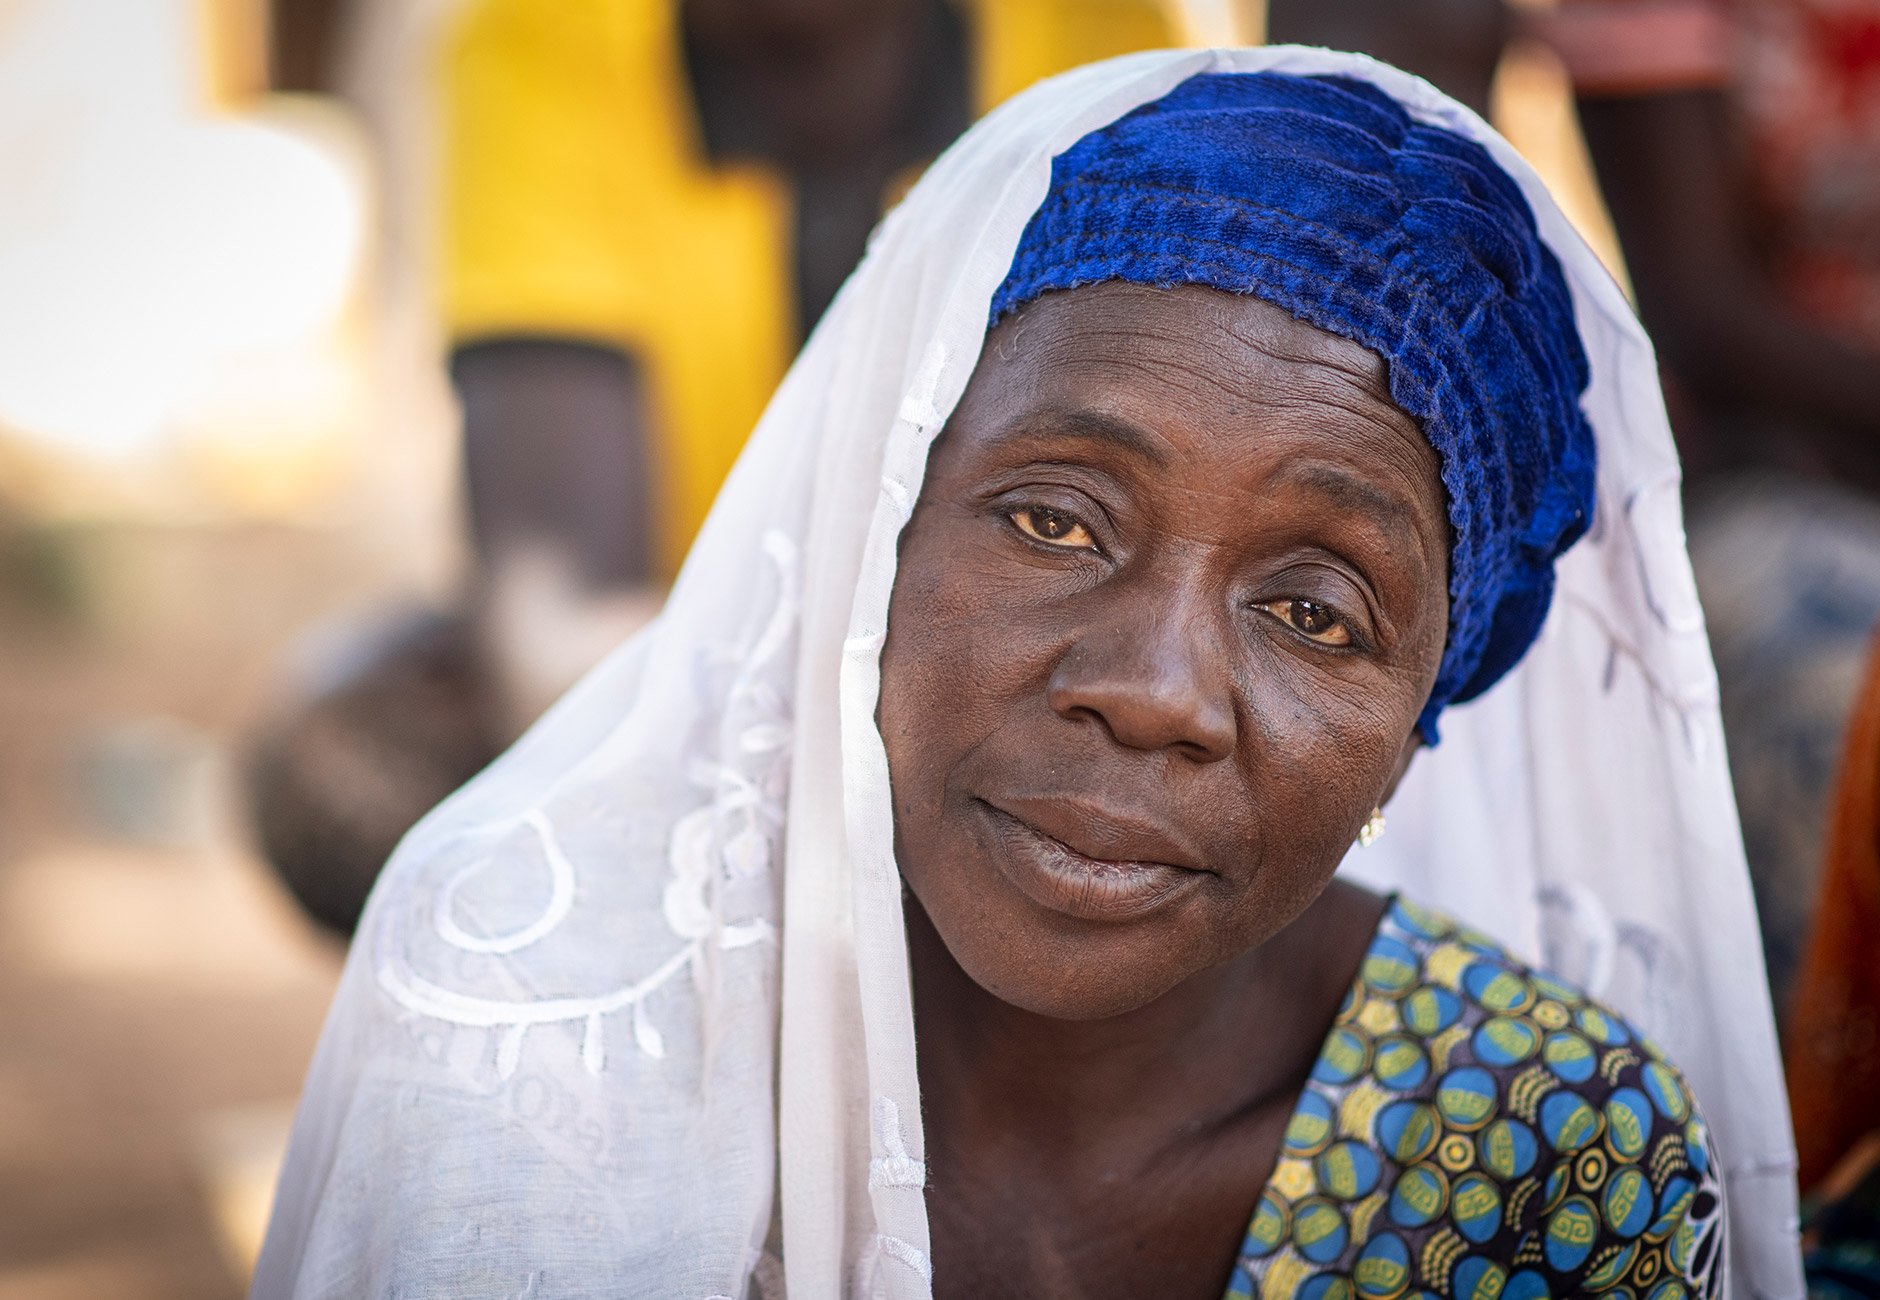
[[630, 1014]]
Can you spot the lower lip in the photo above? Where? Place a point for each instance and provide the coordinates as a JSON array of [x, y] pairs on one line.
[[1060, 879]]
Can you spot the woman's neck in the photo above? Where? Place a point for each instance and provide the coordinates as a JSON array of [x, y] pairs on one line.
[[1103, 1098]]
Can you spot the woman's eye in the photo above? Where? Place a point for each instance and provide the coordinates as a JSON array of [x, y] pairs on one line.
[[1310, 619], [1053, 527]]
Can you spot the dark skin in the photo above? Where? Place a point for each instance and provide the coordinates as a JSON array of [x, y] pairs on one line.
[[1167, 610]]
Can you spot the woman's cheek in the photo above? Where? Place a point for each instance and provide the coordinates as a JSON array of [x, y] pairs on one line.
[[1327, 750]]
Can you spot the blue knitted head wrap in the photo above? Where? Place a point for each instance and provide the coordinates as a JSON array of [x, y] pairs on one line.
[[1323, 196]]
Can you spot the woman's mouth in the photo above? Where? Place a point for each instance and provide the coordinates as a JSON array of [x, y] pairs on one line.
[[1063, 879]]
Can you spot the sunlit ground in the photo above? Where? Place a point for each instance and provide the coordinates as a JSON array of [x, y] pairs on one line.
[[160, 995]]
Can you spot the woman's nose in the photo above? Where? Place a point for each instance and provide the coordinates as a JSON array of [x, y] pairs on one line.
[[1156, 682]]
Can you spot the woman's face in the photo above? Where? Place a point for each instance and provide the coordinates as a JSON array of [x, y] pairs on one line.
[[1168, 607]]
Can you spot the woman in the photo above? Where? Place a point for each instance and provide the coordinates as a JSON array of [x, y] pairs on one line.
[[1050, 742]]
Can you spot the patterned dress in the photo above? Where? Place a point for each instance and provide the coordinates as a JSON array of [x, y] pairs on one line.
[[1475, 1128]]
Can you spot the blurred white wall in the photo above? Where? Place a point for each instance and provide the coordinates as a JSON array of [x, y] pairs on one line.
[[195, 315], [168, 274]]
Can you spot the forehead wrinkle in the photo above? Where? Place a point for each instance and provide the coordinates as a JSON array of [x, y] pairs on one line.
[[1317, 347], [1327, 364], [1315, 390], [1255, 322], [1318, 393], [1186, 339], [1361, 404]]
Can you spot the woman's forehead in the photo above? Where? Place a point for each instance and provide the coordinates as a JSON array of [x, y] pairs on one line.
[[1204, 345]]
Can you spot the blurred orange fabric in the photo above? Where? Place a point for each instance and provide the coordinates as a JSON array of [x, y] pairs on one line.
[[1834, 1038]]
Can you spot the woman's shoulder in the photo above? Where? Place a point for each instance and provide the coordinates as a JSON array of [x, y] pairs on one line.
[[1476, 1126], [1461, 993]]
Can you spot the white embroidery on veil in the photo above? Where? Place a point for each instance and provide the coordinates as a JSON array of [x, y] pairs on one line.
[[719, 854], [894, 1167], [561, 875]]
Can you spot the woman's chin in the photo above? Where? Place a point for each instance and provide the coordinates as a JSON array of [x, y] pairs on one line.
[[1094, 985]]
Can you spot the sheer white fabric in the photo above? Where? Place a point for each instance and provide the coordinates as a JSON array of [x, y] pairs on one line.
[[630, 1014]]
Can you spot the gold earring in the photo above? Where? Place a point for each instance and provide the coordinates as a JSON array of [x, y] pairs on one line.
[[1372, 830]]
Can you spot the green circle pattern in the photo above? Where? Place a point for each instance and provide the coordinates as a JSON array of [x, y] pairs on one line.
[[1473, 1127]]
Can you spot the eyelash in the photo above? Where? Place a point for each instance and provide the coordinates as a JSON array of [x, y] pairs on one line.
[[1064, 518]]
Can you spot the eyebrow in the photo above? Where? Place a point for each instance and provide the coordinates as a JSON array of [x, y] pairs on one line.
[[1355, 494], [1088, 424]]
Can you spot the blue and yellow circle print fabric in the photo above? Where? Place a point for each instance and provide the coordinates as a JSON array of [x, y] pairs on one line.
[[1474, 1128]]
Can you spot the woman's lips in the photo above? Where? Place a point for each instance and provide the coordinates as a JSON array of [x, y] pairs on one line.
[[1058, 877]]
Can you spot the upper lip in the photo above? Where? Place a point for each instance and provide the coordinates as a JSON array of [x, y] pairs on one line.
[[1102, 834]]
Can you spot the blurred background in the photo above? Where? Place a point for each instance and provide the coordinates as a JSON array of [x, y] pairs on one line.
[[365, 368]]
